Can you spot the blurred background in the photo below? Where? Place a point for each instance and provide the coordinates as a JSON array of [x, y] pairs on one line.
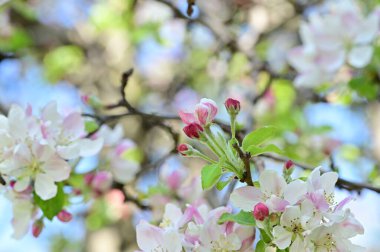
[[62, 50]]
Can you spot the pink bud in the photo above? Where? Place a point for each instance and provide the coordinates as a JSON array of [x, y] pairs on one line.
[[88, 178], [37, 228], [85, 99], [260, 211], [64, 216], [289, 164], [182, 149], [102, 181], [193, 130], [232, 106], [12, 183], [206, 111]]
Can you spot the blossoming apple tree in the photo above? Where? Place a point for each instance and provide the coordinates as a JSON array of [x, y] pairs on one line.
[[231, 173]]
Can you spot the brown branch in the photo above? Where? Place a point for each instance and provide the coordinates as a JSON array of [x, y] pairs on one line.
[[128, 198], [245, 157], [341, 183]]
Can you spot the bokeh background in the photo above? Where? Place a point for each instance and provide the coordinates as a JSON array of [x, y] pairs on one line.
[[61, 50]]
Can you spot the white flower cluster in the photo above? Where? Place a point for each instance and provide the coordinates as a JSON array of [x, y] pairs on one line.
[[196, 229], [34, 155], [330, 39], [300, 215]]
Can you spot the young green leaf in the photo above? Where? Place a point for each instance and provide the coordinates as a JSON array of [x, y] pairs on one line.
[[90, 126], [53, 206], [222, 183], [210, 175], [260, 246], [243, 218], [255, 151], [259, 136]]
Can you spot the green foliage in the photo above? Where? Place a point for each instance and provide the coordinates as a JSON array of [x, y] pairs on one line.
[[260, 246], [364, 87], [243, 218], [258, 137], [222, 183], [61, 61], [91, 126], [53, 206], [133, 154], [255, 151], [210, 175], [19, 39]]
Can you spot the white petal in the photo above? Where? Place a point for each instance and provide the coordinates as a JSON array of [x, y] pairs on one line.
[[328, 181], [173, 214], [22, 184], [57, 168], [272, 183], [50, 112], [297, 245], [70, 151], [17, 122], [291, 213], [246, 197], [368, 30], [282, 237], [149, 237], [73, 126], [45, 187], [360, 56], [90, 147], [294, 191]]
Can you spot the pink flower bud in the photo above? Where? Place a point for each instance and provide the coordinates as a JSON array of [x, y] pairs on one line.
[[260, 211], [232, 106], [12, 183], [37, 228], [85, 99], [102, 181], [182, 149], [88, 178], [193, 130], [289, 164], [206, 111], [64, 216]]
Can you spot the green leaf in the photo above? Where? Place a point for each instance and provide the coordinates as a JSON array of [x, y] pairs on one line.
[[210, 175], [133, 154], [90, 126], [264, 236], [222, 183], [255, 151], [260, 246], [364, 87], [53, 206], [243, 218], [259, 136]]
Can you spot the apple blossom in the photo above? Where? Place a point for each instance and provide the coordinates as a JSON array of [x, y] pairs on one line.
[[260, 211], [341, 35], [204, 113]]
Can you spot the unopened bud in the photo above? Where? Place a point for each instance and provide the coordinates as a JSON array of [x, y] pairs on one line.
[[289, 164], [260, 211], [102, 181], [193, 130], [64, 216], [232, 106], [183, 149], [92, 101], [37, 227]]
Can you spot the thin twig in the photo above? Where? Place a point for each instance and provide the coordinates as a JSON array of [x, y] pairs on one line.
[[245, 157]]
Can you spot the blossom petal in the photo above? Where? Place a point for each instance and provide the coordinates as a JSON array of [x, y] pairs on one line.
[[45, 186], [90, 147], [187, 117], [22, 184], [246, 197], [57, 168], [360, 56], [294, 191], [282, 237], [271, 183]]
